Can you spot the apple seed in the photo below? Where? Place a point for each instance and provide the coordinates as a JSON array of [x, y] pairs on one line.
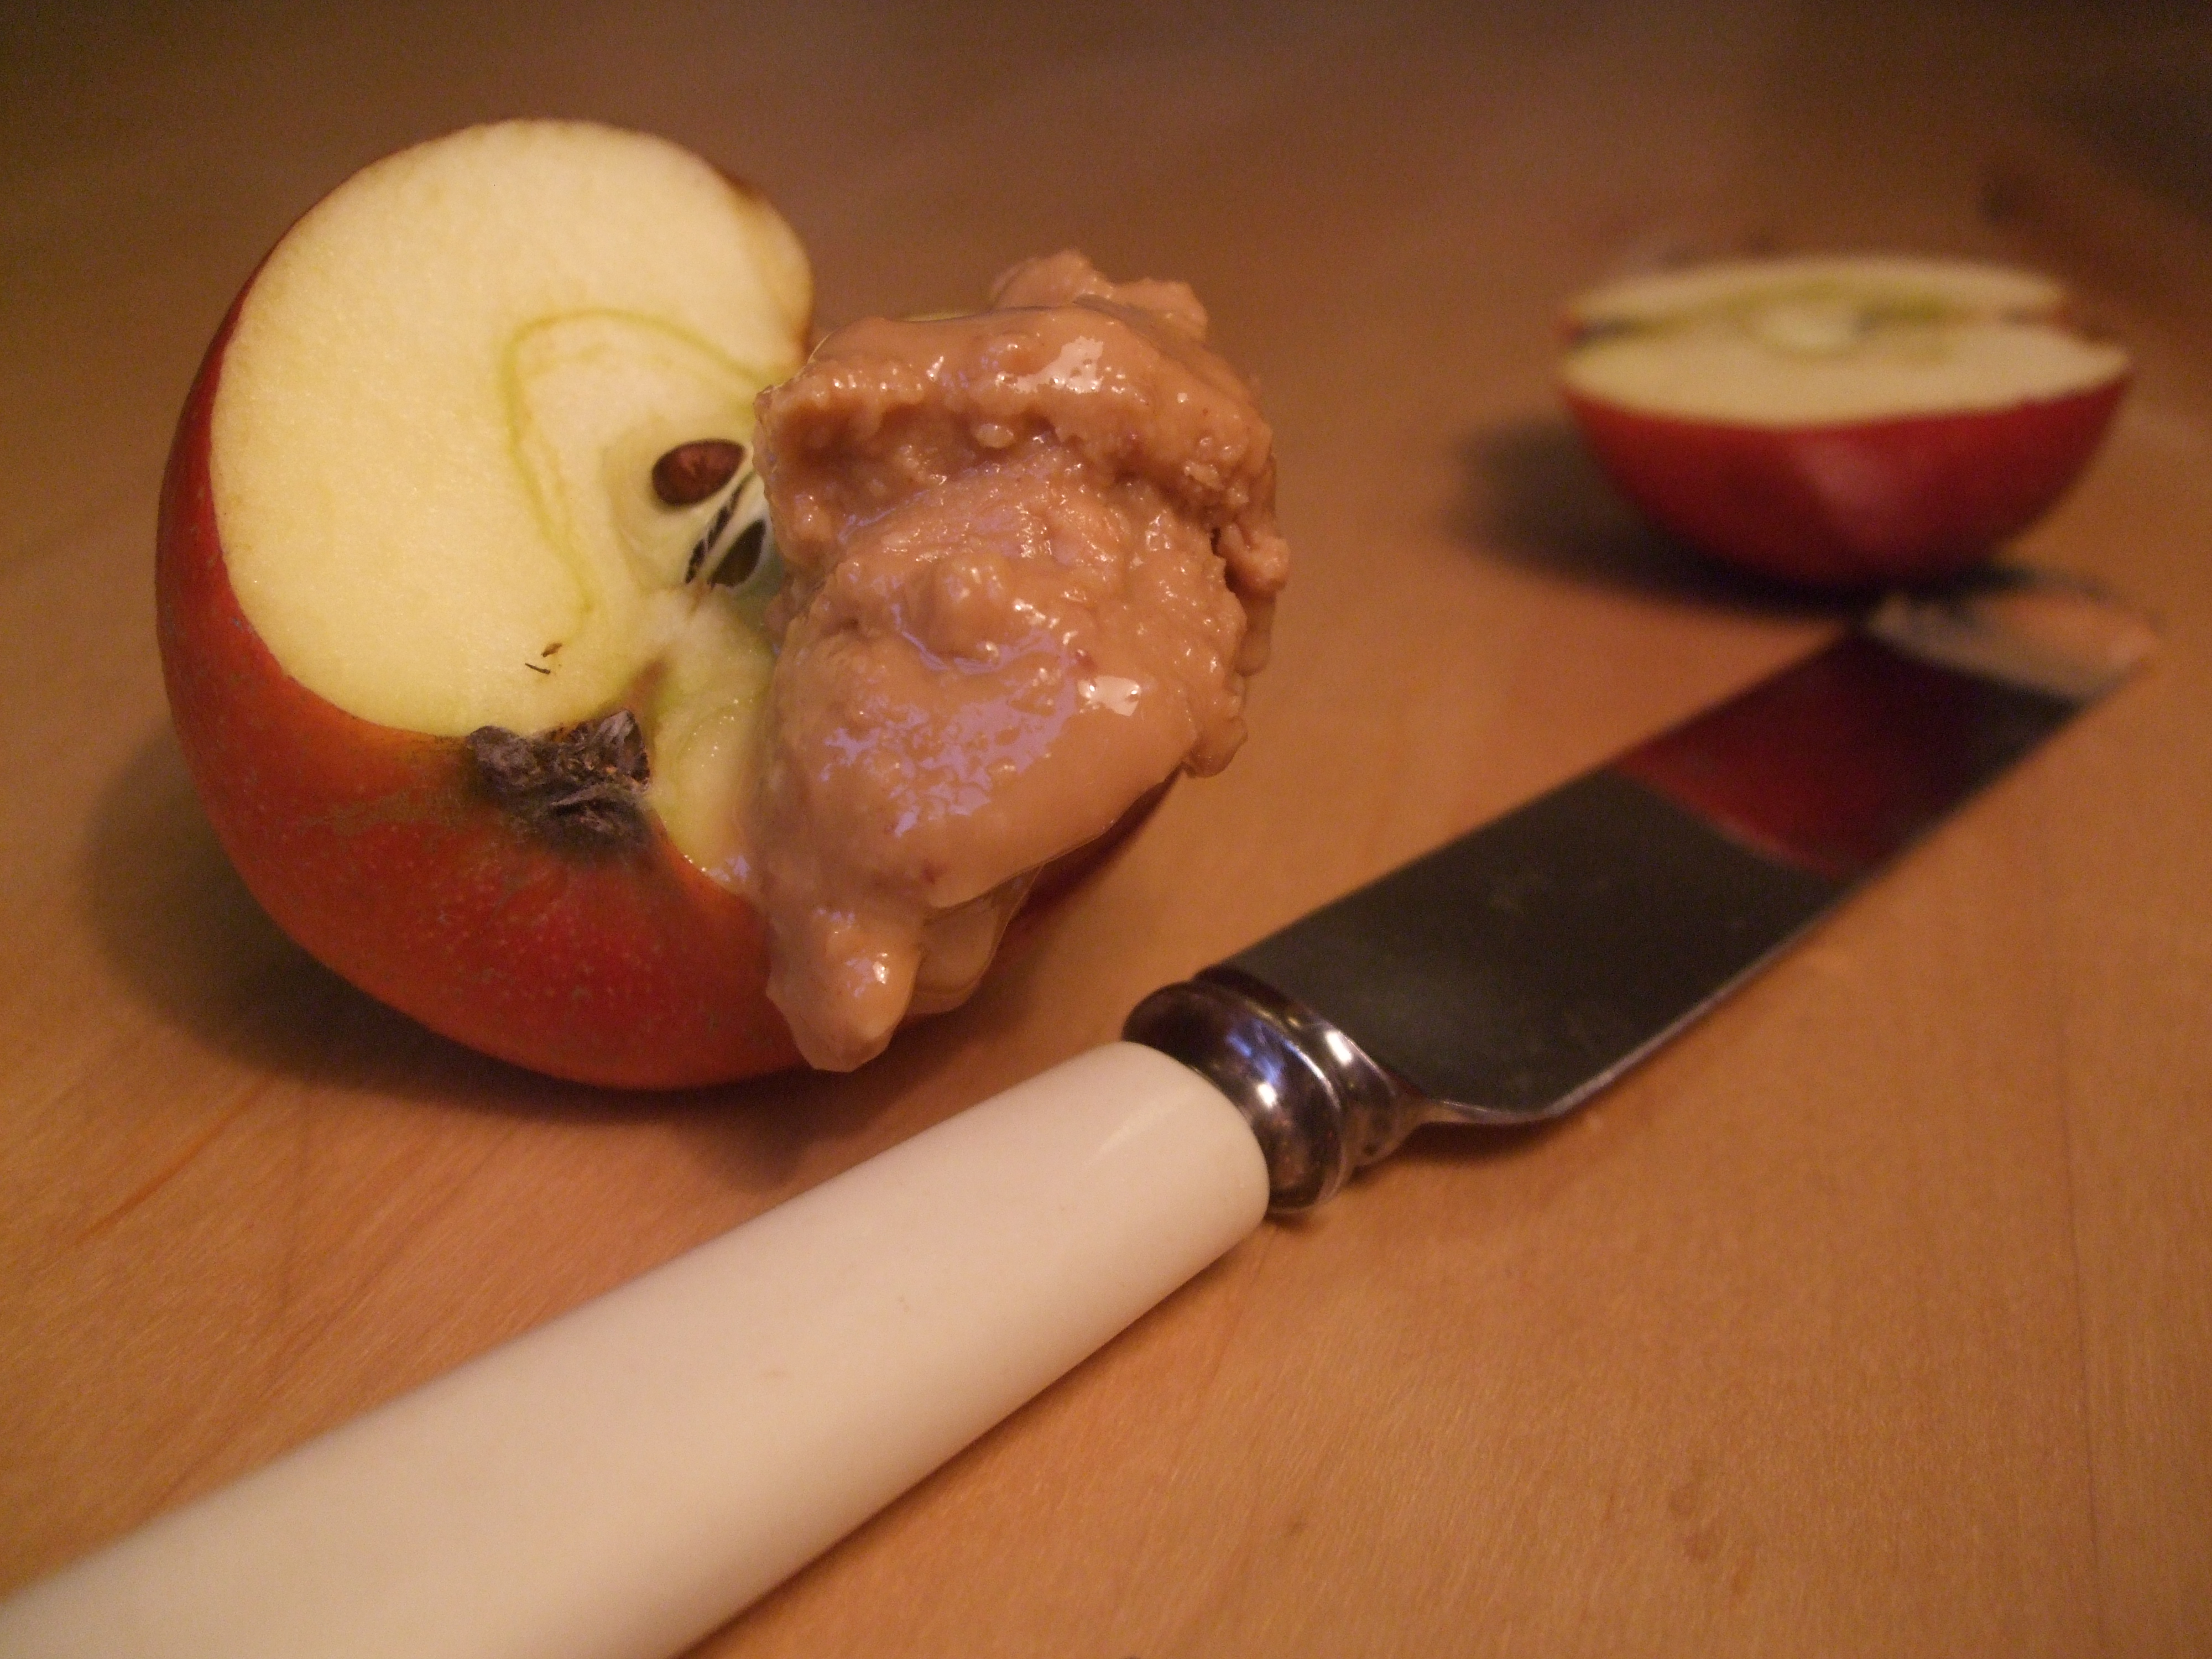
[[744, 556], [706, 544], [690, 473], [578, 785]]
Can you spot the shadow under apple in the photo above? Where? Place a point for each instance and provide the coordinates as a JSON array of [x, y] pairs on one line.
[[1531, 493], [194, 946]]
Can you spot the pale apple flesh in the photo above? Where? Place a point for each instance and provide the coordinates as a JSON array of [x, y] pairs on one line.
[[380, 852], [410, 499], [432, 438], [1844, 422]]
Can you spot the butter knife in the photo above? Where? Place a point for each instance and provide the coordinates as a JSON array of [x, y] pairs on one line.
[[619, 1482]]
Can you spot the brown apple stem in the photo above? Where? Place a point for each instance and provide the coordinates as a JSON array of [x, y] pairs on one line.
[[579, 786]]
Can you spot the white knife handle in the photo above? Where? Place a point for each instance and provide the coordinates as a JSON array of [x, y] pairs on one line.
[[619, 1482]]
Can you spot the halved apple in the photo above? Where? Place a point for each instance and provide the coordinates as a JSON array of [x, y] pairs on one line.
[[423, 615], [1841, 422]]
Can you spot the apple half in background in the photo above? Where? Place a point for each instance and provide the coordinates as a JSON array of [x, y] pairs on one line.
[[1844, 422]]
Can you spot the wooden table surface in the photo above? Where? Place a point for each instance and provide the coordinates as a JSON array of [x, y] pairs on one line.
[[1875, 1317]]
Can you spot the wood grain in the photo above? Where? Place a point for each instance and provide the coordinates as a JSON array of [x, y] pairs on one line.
[[1875, 1317]]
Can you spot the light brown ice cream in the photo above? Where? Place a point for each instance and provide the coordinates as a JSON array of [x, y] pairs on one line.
[[1031, 555]]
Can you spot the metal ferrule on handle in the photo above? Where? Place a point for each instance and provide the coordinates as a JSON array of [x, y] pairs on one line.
[[1320, 1106]]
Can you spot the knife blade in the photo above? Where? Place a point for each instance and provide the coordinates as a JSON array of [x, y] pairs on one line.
[[1510, 974], [619, 1482]]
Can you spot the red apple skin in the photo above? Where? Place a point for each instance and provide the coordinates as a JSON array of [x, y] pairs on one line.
[[1849, 507], [378, 850]]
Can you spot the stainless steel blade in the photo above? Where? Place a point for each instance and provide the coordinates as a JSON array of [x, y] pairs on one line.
[[1513, 972]]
